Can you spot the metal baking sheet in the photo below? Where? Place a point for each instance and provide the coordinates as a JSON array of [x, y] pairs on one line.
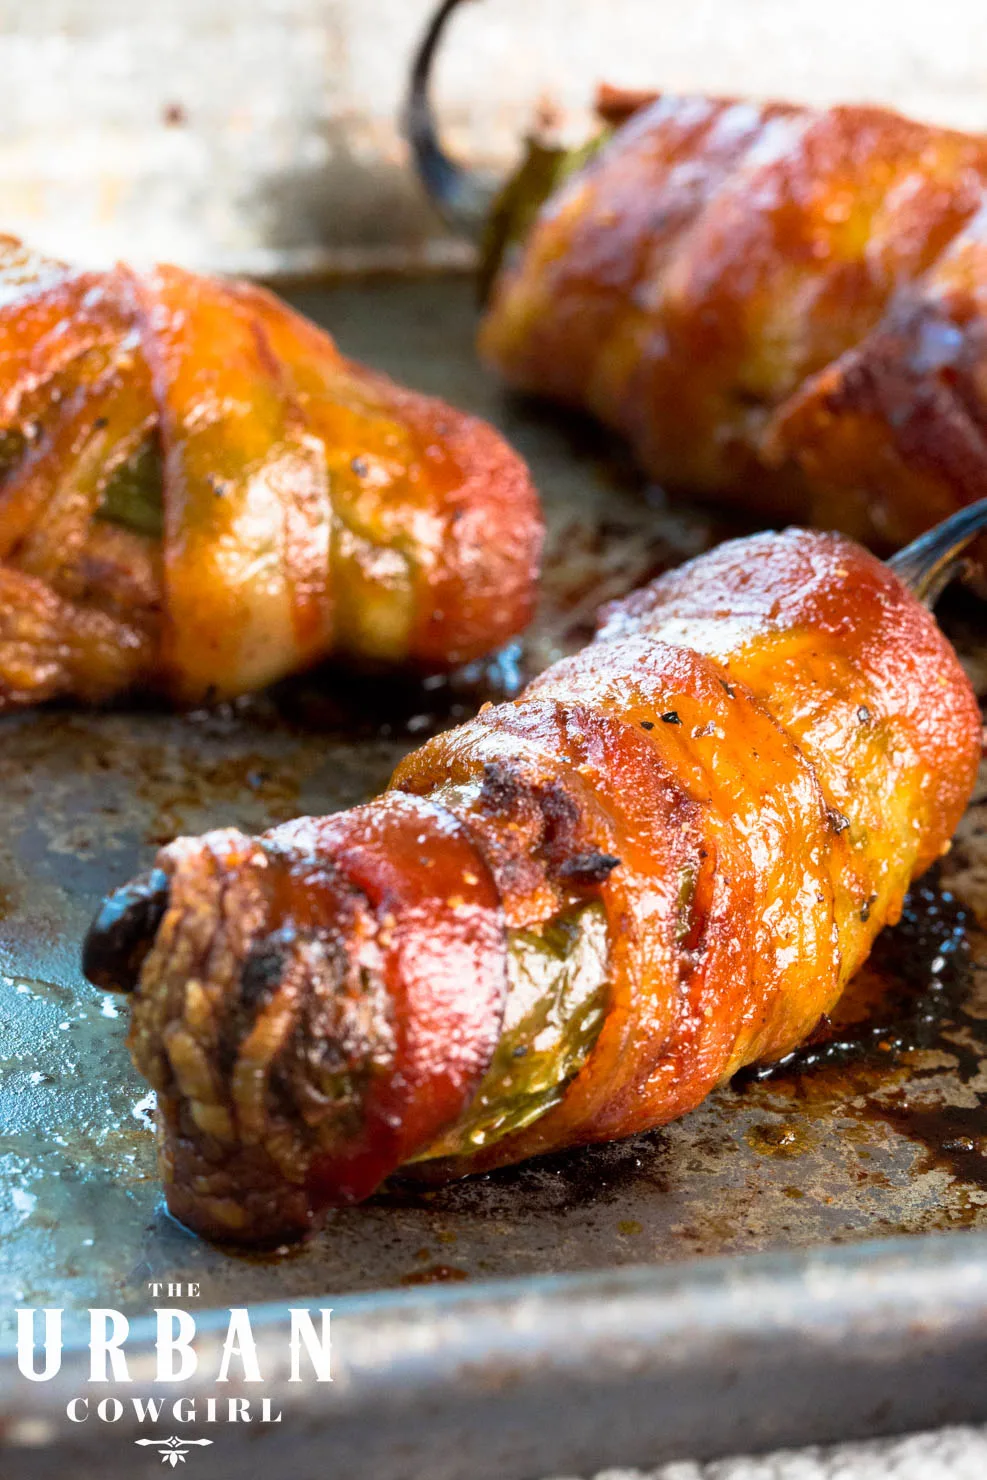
[[853, 1148]]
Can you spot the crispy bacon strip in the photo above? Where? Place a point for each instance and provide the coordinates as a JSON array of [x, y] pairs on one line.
[[779, 305], [194, 472], [735, 782]]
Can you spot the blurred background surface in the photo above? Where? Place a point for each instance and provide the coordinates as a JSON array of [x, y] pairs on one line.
[[261, 135]]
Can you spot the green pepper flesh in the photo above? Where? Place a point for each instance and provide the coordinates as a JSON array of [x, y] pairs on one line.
[[557, 998]]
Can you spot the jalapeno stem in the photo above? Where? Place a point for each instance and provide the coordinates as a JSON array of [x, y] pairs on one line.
[[463, 196], [929, 563]]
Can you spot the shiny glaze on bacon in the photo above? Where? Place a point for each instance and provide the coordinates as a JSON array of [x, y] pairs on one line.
[[307, 506], [744, 772], [779, 305]]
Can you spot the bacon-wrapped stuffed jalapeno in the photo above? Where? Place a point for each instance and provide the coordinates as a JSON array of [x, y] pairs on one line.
[[783, 306], [569, 919], [199, 494]]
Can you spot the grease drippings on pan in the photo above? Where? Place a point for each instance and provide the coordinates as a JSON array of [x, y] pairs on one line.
[[909, 1008], [908, 995], [435, 1274]]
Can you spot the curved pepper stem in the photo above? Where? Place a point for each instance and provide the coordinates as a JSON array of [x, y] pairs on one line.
[[463, 195], [929, 563]]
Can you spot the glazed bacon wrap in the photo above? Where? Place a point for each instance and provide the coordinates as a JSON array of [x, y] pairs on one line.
[[742, 773], [780, 305], [201, 494]]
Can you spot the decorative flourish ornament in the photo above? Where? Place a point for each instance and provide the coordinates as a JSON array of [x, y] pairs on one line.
[[173, 1450]]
